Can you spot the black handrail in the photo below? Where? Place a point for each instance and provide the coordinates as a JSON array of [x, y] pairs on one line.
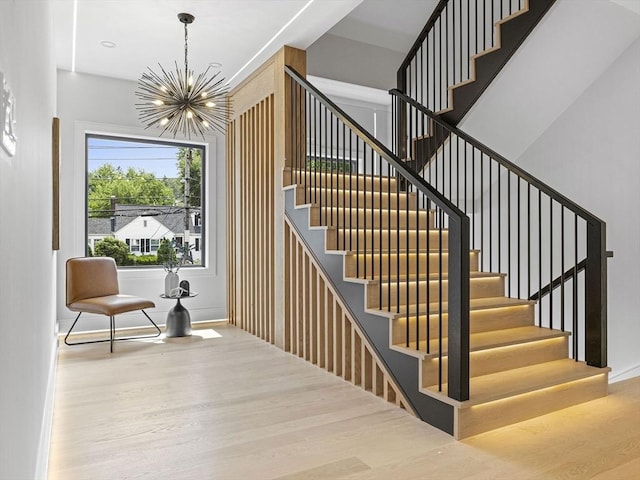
[[336, 136], [566, 276], [543, 187], [543, 243]]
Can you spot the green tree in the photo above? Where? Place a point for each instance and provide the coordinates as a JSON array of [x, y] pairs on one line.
[[116, 249], [195, 175], [166, 253], [133, 187]]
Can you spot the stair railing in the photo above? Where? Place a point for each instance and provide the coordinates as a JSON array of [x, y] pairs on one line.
[[336, 165], [441, 55], [522, 227]]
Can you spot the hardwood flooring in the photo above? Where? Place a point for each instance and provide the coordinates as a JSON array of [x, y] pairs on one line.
[[225, 405]]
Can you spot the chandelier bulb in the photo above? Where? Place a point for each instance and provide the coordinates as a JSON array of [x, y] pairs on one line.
[[164, 121], [210, 104], [205, 123], [158, 102], [189, 114]]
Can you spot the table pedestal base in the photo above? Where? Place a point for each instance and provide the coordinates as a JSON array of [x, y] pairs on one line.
[[178, 321]]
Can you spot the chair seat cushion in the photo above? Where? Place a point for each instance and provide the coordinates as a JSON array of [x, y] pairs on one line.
[[111, 304]]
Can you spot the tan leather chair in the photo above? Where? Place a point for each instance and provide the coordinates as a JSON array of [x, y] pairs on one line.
[[92, 287]]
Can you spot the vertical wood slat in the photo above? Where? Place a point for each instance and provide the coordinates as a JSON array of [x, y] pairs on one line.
[[322, 331], [250, 199]]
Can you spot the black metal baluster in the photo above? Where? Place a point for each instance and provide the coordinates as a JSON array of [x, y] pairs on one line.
[[406, 263], [380, 201], [540, 255], [509, 231], [529, 241], [518, 241], [574, 332], [562, 269], [453, 41], [446, 61], [473, 198], [499, 222], [428, 274], [440, 222], [344, 186], [329, 202], [482, 252], [364, 200], [490, 215], [550, 262], [357, 207]]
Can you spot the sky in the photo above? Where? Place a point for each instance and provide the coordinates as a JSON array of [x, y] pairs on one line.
[[152, 158]]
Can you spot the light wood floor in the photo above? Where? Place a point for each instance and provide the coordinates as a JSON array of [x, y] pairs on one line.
[[225, 405]]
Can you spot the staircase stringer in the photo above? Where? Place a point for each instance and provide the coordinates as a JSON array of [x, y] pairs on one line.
[[401, 368]]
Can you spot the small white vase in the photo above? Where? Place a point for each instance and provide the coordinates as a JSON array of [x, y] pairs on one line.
[[171, 282]]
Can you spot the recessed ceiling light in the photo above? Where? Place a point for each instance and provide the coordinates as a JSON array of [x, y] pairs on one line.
[[215, 64], [107, 44]]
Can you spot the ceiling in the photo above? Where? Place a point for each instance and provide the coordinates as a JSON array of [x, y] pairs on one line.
[[234, 33]]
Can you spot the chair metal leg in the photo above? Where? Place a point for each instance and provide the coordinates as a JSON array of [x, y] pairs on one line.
[[112, 332], [112, 322]]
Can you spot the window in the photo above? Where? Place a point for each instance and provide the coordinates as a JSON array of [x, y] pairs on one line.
[[141, 192]]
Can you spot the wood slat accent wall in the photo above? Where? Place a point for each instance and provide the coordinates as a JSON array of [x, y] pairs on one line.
[[251, 302], [257, 148], [320, 329]]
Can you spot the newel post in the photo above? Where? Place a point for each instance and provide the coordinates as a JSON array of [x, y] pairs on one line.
[[596, 295], [458, 336]]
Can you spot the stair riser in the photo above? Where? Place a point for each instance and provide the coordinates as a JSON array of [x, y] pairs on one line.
[[385, 240], [399, 264], [479, 321], [369, 218], [479, 288], [501, 359], [482, 418], [354, 199], [354, 181]]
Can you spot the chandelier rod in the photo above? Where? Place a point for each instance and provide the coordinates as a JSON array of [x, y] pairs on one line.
[[186, 50]]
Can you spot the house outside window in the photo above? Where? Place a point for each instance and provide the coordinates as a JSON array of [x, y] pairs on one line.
[[141, 192]]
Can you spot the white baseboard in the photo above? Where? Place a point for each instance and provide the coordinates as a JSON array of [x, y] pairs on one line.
[[625, 374], [42, 465]]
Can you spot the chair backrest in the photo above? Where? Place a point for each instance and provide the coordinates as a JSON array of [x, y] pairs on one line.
[[89, 277]]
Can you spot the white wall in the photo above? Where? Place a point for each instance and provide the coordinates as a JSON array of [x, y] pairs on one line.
[[27, 283], [87, 102], [350, 61], [591, 153], [569, 49]]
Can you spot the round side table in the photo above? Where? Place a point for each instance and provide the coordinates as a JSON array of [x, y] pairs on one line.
[[178, 318]]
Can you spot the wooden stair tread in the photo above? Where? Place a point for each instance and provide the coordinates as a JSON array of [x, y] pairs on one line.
[[393, 279], [486, 340], [509, 383], [432, 251], [474, 304]]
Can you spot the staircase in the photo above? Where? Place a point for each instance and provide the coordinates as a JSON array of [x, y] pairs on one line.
[[431, 261], [435, 273], [518, 370]]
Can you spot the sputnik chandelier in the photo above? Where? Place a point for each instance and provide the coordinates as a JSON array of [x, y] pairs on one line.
[[177, 103]]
